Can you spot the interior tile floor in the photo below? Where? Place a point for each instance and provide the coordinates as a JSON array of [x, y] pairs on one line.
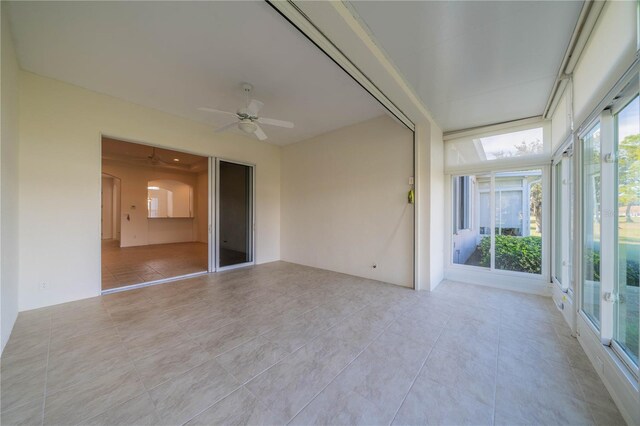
[[281, 343], [122, 266]]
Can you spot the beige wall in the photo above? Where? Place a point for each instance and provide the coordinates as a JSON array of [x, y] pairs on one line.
[[136, 228], [60, 164], [8, 184], [344, 201]]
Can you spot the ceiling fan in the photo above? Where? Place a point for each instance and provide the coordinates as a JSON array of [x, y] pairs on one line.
[[247, 118], [156, 160]]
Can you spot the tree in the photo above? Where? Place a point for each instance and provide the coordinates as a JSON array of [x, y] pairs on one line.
[[629, 173], [535, 200], [521, 148]]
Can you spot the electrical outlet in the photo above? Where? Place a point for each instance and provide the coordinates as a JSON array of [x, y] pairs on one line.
[[43, 286]]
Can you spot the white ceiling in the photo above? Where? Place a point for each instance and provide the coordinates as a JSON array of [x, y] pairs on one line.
[[474, 62], [178, 56]]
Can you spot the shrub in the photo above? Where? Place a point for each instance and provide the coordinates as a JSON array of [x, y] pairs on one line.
[[523, 254], [592, 257]]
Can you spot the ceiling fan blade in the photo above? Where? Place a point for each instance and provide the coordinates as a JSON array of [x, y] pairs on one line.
[[260, 134], [225, 127], [217, 111], [254, 107], [274, 122]]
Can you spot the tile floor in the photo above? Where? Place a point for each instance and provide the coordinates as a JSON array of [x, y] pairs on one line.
[[134, 265], [282, 343]]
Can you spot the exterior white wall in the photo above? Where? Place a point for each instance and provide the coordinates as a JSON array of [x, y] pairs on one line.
[[344, 201], [60, 172], [8, 184]]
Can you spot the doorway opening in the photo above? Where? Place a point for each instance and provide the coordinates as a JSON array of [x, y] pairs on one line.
[[234, 214], [155, 214]]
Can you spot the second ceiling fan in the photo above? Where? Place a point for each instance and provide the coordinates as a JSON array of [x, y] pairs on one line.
[[247, 118]]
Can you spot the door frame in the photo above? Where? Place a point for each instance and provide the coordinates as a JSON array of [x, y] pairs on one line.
[[210, 201], [216, 219]]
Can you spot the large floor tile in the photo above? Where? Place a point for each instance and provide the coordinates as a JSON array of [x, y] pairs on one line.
[[138, 411], [252, 358], [27, 414], [460, 370], [81, 358], [226, 338], [89, 398], [435, 404], [239, 408], [519, 402], [291, 384], [339, 405], [21, 382], [184, 397], [163, 365]]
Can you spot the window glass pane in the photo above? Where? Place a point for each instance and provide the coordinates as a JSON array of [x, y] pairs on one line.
[[471, 242], [518, 215], [626, 321], [591, 220], [509, 147], [569, 211], [516, 144], [559, 232]]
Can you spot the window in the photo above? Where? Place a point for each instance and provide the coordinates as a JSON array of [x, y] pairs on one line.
[[518, 221], [522, 145], [515, 144], [559, 231], [462, 197], [591, 221], [627, 229], [563, 220], [610, 258], [469, 209], [516, 199]]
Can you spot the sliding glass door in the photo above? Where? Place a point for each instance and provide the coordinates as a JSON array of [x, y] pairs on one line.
[[234, 214], [510, 238]]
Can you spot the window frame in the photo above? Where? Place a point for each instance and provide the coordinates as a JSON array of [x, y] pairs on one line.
[[544, 276], [462, 203], [608, 260]]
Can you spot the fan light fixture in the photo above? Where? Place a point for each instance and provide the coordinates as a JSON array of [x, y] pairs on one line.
[[247, 126], [247, 118]]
